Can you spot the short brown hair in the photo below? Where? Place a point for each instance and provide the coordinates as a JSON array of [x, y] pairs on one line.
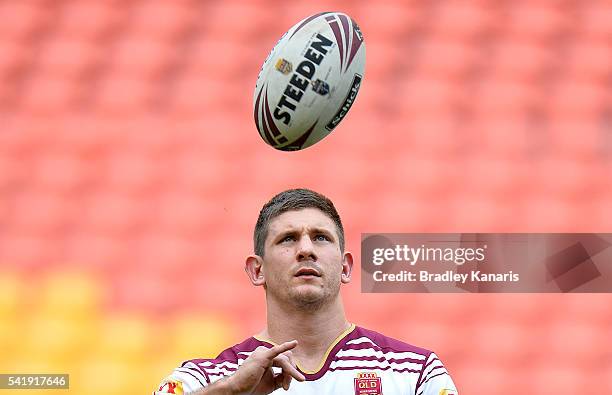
[[293, 199]]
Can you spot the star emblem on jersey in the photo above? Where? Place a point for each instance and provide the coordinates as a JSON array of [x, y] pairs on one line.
[[368, 383]]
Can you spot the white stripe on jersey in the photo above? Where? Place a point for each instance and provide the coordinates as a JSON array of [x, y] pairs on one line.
[[209, 366], [193, 371], [227, 364], [437, 365], [376, 364], [368, 340], [360, 340], [215, 378], [225, 371], [217, 374], [433, 365], [367, 352]]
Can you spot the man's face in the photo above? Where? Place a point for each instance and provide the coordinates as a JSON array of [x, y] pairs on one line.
[[302, 263]]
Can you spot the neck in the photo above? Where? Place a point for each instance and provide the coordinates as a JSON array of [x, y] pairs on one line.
[[314, 330]]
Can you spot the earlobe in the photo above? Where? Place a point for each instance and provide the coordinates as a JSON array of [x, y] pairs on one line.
[[347, 268], [254, 269]]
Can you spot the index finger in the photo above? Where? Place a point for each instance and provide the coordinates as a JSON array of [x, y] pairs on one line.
[[275, 351]]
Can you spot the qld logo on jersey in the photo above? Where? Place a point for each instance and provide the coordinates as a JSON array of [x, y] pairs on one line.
[[368, 383], [170, 387], [448, 392]]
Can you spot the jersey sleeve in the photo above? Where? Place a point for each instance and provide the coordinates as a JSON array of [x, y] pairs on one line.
[[435, 379], [183, 380]]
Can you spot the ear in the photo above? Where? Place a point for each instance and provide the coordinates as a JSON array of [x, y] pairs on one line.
[[254, 269], [347, 268]]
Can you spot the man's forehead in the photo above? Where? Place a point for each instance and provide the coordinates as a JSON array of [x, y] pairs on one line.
[[310, 217]]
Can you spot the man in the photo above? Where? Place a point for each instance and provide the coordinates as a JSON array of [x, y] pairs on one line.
[[300, 262]]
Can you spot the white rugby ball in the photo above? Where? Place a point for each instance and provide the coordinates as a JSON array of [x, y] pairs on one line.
[[309, 81]]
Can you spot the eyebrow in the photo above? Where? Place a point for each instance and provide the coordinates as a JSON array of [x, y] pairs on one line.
[[293, 231], [323, 230]]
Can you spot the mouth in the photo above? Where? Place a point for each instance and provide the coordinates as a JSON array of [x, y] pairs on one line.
[[307, 272]]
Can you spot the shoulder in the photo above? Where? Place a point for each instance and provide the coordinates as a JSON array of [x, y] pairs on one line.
[[197, 373], [419, 365], [364, 348], [235, 354], [362, 338], [226, 363]]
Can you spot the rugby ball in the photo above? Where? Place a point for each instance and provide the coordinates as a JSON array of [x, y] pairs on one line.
[[309, 81]]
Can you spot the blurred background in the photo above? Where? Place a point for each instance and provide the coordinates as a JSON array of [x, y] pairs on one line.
[[131, 176]]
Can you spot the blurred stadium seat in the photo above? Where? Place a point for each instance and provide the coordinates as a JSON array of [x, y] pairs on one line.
[[23, 19], [594, 20], [465, 20], [131, 176], [92, 21]]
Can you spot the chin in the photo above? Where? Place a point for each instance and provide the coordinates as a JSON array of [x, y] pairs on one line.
[[308, 295]]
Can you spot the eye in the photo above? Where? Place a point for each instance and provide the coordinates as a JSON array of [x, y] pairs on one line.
[[322, 237], [287, 239]]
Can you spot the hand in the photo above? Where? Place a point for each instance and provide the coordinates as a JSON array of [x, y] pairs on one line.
[[255, 375]]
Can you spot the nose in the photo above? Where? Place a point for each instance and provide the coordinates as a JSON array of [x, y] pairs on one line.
[[305, 249]]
